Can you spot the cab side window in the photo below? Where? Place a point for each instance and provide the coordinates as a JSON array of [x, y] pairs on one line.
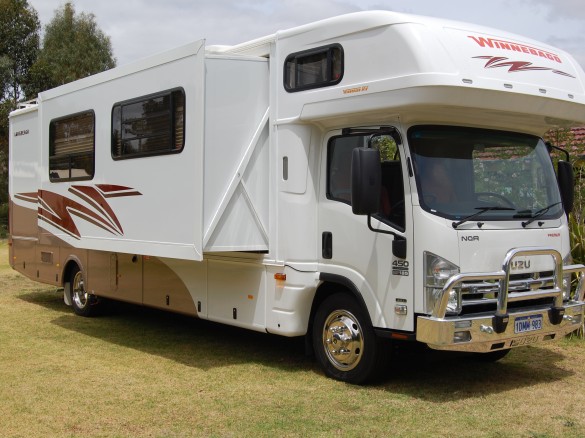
[[339, 151]]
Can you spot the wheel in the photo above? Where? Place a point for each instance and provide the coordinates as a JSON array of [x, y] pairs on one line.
[[345, 344], [83, 303]]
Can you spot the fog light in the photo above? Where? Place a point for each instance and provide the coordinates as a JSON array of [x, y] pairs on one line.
[[459, 337], [462, 324]]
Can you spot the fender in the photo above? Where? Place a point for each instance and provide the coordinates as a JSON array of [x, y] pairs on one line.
[[349, 285]]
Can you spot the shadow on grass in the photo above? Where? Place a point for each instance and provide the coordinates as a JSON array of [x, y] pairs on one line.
[[440, 377], [184, 339], [49, 299], [415, 370]]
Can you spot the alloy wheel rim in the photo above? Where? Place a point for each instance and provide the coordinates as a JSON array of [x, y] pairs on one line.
[[342, 340], [79, 294]]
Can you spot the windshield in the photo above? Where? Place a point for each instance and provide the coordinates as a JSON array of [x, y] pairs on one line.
[[484, 174]]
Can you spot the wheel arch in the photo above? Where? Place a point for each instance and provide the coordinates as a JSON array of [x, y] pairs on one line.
[[68, 267], [333, 283]]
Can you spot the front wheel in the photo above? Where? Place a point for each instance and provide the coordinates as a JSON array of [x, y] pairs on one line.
[[83, 303], [345, 343]]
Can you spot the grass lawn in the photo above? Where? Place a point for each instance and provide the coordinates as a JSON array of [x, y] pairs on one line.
[[144, 373]]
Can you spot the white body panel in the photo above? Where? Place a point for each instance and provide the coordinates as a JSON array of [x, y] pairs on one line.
[[213, 196], [247, 197]]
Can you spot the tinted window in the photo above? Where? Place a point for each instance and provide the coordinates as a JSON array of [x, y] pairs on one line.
[[150, 125], [72, 147], [314, 68]]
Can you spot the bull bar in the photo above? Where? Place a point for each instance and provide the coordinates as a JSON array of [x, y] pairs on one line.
[[491, 331]]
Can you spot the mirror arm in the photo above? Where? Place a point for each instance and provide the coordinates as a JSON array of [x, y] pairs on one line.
[[398, 244], [563, 151]]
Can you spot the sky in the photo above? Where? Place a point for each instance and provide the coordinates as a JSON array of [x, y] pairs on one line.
[[140, 28]]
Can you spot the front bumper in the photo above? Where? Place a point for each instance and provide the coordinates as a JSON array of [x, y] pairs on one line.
[[476, 334], [499, 330]]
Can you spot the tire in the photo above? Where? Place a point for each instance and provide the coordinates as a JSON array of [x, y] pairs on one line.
[[83, 303], [344, 341]]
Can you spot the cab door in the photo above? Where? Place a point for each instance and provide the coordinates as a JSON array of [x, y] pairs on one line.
[[350, 251]]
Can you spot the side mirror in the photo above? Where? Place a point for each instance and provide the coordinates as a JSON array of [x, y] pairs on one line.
[[399, 248], [566, 184], [366, 181]]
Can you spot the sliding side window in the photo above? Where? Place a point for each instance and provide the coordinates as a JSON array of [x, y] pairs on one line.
[[149, 125], [72, 147], [321, 67]]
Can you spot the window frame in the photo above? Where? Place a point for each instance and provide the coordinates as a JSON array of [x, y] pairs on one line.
[[329, 81], [398, 225], [471, 134], [75, 154], [157, 152]]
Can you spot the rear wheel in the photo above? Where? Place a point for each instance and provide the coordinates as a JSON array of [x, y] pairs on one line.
[[345, 343], [83, 303]]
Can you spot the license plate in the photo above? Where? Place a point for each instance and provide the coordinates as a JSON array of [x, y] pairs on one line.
[[525, 324]]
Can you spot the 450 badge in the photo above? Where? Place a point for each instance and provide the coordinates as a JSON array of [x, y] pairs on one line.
[[400, 267]]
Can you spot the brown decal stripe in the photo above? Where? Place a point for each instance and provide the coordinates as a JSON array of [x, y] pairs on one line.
[[45, 219], [72, 234], [95, 199], [119, 195], [28, 197], [91, 220], [114, 191], [58, 210]]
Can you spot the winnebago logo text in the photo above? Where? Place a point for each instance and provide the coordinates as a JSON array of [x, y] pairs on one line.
[[515, 47], [516, 66]]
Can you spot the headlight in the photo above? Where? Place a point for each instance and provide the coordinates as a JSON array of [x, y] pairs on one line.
[[437, 272], [566, 285]]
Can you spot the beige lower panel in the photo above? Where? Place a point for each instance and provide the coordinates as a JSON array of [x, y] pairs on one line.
[[138, 279], [43, 257], [162, 288], [23, 221], [23, 257]]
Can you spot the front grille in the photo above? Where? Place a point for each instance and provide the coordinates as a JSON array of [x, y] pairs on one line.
[[482, 296]]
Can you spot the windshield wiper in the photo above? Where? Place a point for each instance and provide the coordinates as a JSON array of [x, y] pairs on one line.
[[536, 215], [481, 211]]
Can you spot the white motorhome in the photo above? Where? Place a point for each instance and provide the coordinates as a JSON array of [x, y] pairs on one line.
[[362, 179]]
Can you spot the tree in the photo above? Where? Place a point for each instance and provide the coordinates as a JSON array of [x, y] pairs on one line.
[[19, 46], [73, 47]]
